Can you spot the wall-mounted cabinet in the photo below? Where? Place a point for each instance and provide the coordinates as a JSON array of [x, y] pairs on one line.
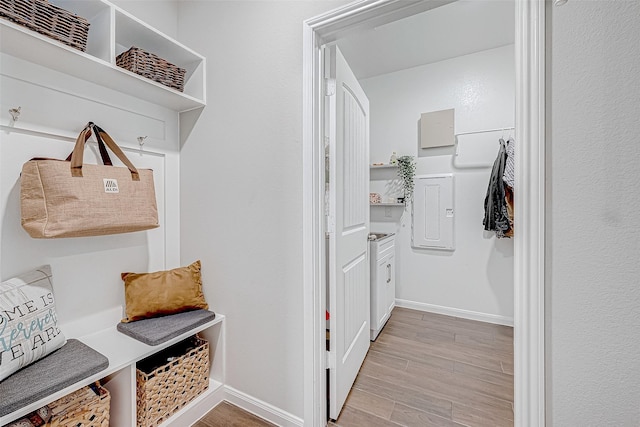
[[433, 219], [111, 32]]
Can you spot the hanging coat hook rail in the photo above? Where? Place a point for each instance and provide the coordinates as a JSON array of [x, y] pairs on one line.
[[479, 131], [68, 137], [485, 131]]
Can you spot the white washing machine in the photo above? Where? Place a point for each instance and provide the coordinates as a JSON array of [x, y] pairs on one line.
[[383, 280]]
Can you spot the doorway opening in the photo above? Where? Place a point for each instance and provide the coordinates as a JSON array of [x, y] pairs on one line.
[[528, 301]]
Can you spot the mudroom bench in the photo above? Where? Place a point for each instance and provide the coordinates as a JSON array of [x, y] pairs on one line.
[[99, 333]]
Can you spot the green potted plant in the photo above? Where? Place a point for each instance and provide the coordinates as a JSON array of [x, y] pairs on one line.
[[406, 173]]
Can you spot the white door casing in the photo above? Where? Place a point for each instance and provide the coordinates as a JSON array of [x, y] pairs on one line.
[[347, 130], [529, 256]]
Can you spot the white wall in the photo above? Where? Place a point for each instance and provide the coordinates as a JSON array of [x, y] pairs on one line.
[[478, 276], [242, 187], [593, 220], [160, 14]]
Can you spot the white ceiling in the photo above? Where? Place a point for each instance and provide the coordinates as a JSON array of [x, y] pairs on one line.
[[456, 29]]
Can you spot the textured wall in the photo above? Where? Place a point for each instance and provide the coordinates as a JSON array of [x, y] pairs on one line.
[[242, 187], [160, 14], [593, 290], [478, 276]]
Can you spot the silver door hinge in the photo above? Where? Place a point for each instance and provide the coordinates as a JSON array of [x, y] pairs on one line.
[[331, 225], [328, 364], [329, 87]]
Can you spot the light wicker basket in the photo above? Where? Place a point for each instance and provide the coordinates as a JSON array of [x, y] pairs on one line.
[[87, 407], [166, 389], [48, 19], [152, 67]]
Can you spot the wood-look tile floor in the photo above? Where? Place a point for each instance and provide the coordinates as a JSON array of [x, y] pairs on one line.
[[228, 415], [427, 369], [423, 370]]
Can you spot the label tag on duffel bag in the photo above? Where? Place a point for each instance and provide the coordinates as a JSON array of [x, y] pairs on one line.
[[110, 185]]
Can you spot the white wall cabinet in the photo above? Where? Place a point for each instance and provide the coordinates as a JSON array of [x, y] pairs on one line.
[[383, 282], [111, 32]]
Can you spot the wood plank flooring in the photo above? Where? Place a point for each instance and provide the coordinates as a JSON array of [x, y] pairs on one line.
[[228, 415], [423, 370], [432, 370]]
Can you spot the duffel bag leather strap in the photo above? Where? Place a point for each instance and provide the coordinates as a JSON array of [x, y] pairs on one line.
[[103, 138], [104, 154]]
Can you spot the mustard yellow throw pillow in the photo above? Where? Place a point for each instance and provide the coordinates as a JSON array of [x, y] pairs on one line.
[[163, 292]]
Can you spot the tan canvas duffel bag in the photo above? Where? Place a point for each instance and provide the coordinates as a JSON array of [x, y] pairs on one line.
[[66, 198]]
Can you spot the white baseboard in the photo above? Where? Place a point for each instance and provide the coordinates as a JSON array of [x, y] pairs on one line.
[[456, 312], [197, 409], [262, 409]]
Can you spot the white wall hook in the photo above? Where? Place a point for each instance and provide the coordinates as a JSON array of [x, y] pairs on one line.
[[141, 140], [15, 113]]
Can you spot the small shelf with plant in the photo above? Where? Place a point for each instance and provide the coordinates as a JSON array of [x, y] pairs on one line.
[[386, 204]]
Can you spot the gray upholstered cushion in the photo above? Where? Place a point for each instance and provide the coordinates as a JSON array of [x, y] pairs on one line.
[[71, 363], [156, 330]]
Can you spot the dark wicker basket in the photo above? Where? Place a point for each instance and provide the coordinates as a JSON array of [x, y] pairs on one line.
[[47, 19], [152, 67]]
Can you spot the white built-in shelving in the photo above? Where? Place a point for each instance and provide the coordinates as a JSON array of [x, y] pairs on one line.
[[383, 166], [111, 32], [384, 172], [387, 204], [99, 332]]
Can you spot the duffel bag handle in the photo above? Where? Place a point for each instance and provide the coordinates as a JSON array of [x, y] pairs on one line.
[[78, 151], [104, 154]]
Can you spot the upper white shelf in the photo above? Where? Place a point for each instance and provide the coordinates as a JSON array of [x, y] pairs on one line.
[[111, 31]]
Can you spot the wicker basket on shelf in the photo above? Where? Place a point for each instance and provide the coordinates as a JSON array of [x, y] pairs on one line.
[[45, 18], [87, 407], [152, 67], [164, 389]]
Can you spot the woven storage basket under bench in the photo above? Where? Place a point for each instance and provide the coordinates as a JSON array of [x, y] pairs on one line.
[[48, 19], [87, 407], [170, 379]]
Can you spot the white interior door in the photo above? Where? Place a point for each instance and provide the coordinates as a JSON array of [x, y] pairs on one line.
[[347, 129]]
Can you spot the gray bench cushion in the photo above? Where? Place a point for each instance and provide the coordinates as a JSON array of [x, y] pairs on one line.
[[156, 330], [73, 362]]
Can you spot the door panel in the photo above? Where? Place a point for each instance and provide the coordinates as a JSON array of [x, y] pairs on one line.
[[347, 130], [355, 158], [353, 292]]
